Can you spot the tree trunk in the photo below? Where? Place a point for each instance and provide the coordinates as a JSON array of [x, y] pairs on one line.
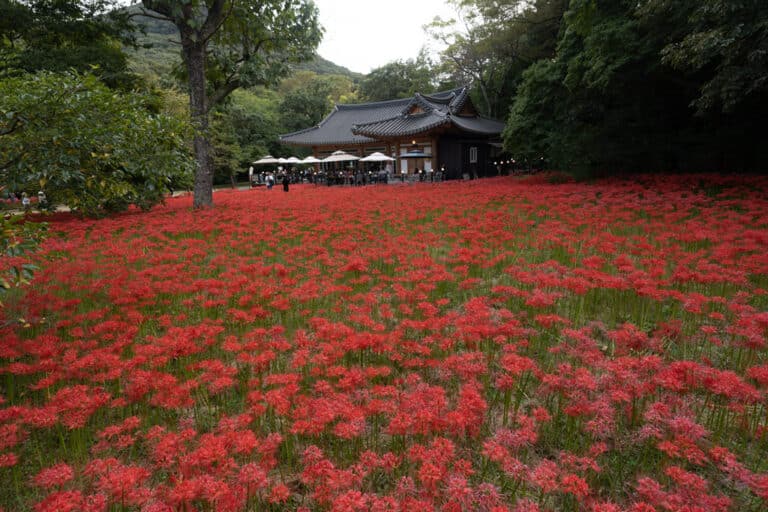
[[194, 55]]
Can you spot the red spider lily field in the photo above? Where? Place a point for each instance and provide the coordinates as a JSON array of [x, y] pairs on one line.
[[508, 344]]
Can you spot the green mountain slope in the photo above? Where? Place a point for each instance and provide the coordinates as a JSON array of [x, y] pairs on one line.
[[160, 53]]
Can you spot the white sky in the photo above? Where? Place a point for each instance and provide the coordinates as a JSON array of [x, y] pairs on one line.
[[365, 34]]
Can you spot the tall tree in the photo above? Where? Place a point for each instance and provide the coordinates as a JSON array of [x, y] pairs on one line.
[[491, 42], [228, 44]]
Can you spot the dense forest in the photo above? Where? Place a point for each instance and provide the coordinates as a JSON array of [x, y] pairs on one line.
[[614, 86], [594, 87]]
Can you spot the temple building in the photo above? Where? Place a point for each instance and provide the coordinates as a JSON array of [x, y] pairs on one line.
[[440, 131]]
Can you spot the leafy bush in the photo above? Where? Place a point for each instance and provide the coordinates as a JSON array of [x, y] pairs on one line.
[[87, 146]]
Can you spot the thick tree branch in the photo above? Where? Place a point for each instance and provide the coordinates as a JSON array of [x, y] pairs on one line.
[[221, 93]]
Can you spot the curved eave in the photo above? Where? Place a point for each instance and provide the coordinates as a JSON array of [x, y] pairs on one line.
[[479, 125], [311, 143]]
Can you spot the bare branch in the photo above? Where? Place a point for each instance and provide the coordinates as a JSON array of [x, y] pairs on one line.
[[146, 13]]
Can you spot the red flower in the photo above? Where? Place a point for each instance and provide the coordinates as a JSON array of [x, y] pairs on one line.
[[54, 476]]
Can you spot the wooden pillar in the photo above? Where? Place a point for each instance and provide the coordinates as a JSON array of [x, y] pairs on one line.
[[435, 156], [397, 158]]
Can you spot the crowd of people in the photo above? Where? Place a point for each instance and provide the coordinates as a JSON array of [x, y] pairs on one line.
[[341, 176]]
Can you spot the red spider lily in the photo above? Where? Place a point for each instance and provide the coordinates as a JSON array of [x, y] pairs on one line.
[[8, 460], [76, 404], [490, 346], [62, 501], [54, 476]]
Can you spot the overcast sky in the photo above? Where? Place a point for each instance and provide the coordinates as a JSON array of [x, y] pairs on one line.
[[365, 34]]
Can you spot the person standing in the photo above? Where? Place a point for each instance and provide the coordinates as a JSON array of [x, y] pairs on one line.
[[286, 182]]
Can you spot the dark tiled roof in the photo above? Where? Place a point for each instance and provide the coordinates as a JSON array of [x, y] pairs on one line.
[[336, 128], [366, 122], [401, 125]]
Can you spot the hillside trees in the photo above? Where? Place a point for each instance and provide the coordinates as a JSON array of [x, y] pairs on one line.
[[399, 79], [309, 97], [228, 44]]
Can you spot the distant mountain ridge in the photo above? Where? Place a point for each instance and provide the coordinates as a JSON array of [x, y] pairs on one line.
[[158, 54]]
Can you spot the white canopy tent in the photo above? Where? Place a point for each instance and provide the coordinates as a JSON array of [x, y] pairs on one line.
[[377, 157], [269, 159], [340, 156]]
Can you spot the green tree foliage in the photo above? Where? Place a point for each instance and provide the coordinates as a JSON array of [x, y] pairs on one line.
[[399, 79], [492, 42], [226, 151], [227, 44], [244, 129], [725, 42], [308, 98], [645, 86], [87, 146], [306, 106], [606, 86], [59, 35], [255, 118]]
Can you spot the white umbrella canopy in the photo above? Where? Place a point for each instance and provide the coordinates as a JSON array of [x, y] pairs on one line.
[[311, 160], [377, 157], [340, 156], [292, 160], [269, 159]]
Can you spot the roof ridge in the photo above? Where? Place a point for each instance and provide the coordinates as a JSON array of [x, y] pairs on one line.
[[420, 129], [458, 101], [352, 106], [399, 116], [428, 97]]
